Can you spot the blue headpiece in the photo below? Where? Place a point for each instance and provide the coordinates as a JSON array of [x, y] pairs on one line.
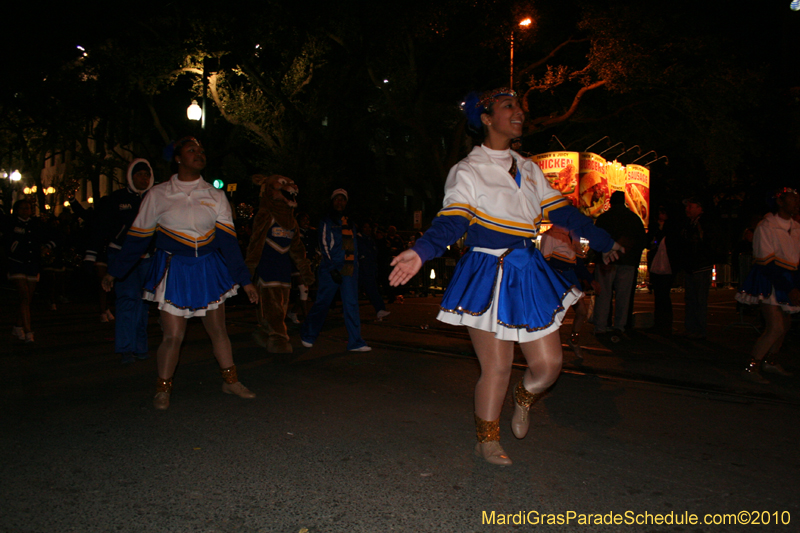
[[174, 147], [476, 104]]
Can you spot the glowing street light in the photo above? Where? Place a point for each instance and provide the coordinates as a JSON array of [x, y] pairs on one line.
[[16, 176], [194, 112], [522, 24]]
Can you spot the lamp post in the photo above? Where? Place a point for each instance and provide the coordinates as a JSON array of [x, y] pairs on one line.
[[523, 24]]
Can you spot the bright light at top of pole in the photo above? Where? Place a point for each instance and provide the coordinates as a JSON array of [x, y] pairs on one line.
[[526, 22]]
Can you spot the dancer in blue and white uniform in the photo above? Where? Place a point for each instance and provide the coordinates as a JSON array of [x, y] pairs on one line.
[[502, 289], [197, 264], [774, 282]]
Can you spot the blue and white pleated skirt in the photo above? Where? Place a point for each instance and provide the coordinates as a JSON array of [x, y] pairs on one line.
[[188, 286], [512, 293], [757, 288]]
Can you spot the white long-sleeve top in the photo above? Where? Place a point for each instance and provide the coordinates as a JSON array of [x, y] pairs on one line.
[[777, 240], [187, 218]]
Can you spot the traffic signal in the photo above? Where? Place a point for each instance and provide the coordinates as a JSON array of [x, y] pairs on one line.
[[218, 183]]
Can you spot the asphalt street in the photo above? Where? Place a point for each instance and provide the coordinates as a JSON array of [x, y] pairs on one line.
[[649, 428]]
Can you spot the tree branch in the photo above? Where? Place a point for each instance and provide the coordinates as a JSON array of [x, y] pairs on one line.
[[549, 56], [212, 87], [544, 122]]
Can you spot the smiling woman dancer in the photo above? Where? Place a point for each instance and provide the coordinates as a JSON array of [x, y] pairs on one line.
[[502, 290], [197, 265]]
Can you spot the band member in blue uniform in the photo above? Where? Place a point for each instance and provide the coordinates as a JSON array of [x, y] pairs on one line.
[[337, 271], [112, 220]]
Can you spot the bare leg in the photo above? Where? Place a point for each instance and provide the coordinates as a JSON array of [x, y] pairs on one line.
[[495, 357], [544, 362], [787, 325], [214, 322], [544, 365], [25, 290], [774, 332], [169, 350]]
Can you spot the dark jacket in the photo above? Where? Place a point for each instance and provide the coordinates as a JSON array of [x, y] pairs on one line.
[[626, 228], [701, 245], [115, 214], [25, 239]]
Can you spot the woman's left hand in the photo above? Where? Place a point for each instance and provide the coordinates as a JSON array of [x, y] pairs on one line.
[[613, 254], [251, 292]]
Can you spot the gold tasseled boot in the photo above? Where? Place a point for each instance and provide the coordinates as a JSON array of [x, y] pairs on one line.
[[232, 385], [163, 390], [522, 404], [488, 445]]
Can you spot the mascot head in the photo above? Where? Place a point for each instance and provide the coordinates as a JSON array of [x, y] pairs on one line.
[[277, 189]]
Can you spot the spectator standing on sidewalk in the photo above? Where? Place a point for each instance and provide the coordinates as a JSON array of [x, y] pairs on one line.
[[662, 243], [337, 272], [626, 228], [701, 242], [774, 282], [113, 218]]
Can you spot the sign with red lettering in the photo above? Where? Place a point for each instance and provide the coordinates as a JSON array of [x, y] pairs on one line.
[[637, 191], [561, 170]]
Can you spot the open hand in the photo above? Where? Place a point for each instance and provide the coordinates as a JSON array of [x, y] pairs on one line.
[[613, 254], [251, 292], [406, 265], [107, 282]]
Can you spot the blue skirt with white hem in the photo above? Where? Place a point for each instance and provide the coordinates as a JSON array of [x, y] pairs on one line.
[[188, 286], [757, 288], [513, 293]]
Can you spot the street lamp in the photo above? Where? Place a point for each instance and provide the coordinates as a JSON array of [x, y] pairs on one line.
[[15, 176], [193, 112], [522, 24]]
